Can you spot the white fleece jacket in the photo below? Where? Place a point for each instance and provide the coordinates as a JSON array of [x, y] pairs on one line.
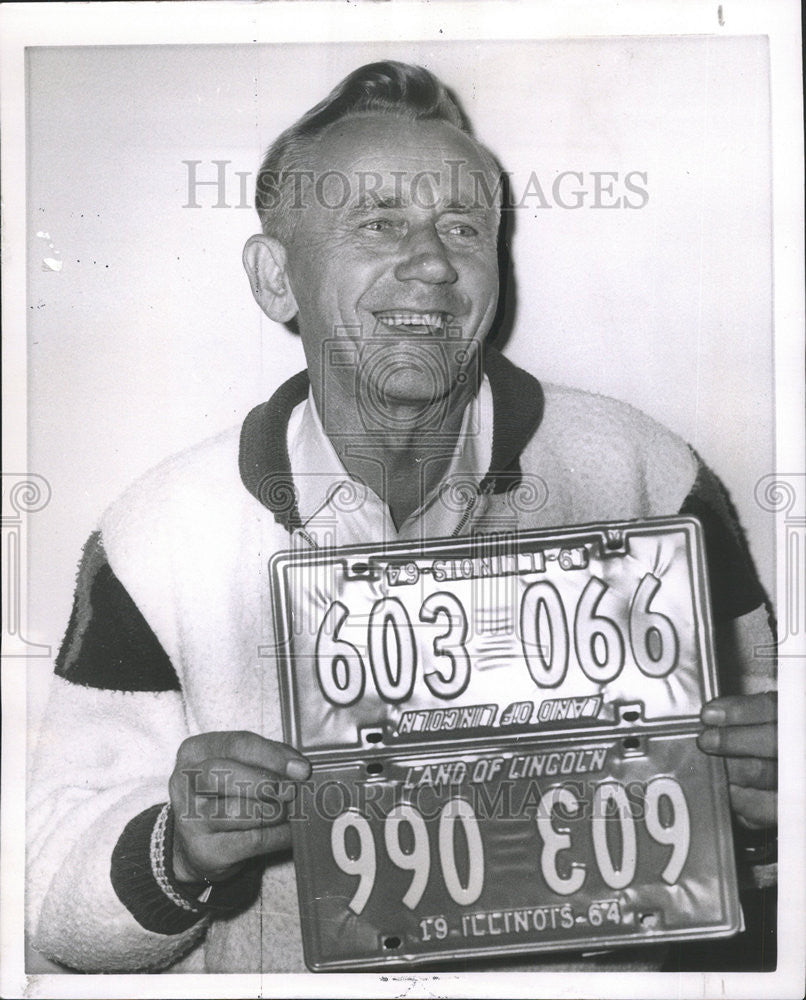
[[187, 548]]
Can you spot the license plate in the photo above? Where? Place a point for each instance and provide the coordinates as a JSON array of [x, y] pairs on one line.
[[503, 739], [563, 845]]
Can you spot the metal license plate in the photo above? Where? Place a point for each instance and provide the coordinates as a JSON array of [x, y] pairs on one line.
[[544, 631], [407, 670], [565, 845]]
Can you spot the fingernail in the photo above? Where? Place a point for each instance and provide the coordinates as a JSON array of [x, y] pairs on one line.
[[708, 740], [297, 770], [711, 715]]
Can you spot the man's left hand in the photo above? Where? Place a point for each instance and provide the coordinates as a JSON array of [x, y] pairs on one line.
[[744, 730]]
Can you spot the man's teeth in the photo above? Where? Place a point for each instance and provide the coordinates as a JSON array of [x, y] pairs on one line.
[[413, 319]]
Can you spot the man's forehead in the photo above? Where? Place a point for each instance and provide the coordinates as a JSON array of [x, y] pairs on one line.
[[389, 144], [388, 162]]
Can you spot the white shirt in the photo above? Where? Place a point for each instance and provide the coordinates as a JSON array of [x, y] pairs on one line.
[[338, 510]]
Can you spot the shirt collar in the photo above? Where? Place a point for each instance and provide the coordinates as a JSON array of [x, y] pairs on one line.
[[517, 403], [329, 500]]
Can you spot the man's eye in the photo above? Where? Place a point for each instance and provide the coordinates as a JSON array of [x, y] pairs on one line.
[[463, 229], [378, 225]]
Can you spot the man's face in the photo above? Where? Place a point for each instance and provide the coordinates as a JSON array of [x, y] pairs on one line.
[[405, 272]]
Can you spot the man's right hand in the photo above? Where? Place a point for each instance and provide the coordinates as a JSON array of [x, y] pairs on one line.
[[229, 792]]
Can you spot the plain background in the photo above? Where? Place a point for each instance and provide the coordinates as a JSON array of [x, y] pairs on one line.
[[143, 335]]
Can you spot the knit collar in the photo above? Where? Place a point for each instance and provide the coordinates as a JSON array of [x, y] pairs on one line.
[[266, 470]]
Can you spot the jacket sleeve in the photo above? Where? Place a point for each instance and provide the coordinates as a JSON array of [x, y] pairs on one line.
[[98, 897], [745, 639], [744, 634]]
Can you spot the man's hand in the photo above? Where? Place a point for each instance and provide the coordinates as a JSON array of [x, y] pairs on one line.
[[229, 793], [744, 729]]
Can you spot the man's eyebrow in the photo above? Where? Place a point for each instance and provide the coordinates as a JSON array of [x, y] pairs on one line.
[[372, 202], [475, 209]]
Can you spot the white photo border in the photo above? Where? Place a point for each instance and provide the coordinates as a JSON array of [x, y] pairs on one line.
[[193, 23]]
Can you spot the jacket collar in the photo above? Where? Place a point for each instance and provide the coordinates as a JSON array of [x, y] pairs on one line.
[[266, 469]]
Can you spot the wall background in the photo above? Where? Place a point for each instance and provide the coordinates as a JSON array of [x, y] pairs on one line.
[[143, 335]]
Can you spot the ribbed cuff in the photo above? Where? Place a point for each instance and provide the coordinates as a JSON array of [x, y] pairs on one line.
[[143, 879]]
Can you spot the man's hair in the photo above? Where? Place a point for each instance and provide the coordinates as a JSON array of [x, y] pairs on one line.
[[388, 88]]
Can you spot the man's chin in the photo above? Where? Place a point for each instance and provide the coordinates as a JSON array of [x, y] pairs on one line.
[[417, 394], [405, 401], [414, 381]]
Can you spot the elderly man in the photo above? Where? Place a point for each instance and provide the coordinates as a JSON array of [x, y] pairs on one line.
[[380, 219]]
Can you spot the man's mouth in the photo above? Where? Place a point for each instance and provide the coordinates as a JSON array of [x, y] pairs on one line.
[[409, 321]]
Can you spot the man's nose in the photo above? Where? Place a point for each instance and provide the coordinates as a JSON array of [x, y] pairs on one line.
[[424, 258]]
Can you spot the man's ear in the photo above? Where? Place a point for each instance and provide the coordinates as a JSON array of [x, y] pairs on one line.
[[264, 259]]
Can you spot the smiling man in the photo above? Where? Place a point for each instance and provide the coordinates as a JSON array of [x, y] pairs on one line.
[[400, 257], [158, 827]]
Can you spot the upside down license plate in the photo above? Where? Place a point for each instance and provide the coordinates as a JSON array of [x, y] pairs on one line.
[[567, 845], [503, 738]]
